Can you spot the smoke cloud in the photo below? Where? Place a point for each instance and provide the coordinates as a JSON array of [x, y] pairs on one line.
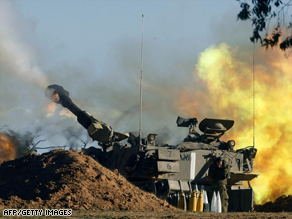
[[22, 85], [111, 97], [17, 57]]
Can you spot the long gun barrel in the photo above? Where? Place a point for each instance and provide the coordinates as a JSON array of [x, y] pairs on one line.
[[59, 95], [97, 130]]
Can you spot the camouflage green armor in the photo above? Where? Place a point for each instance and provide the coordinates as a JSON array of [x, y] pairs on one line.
[[168, 170]]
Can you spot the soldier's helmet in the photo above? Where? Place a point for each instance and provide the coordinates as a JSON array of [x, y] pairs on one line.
[[218, 159]]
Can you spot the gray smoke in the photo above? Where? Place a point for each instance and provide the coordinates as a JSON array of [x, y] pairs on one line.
[[22, 85], [110, 92], [18, 58]]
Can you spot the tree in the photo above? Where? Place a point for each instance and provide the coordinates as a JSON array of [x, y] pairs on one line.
[[264, 12]]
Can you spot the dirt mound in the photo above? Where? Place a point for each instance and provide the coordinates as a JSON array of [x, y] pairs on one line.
[[68, 179], [283, 203]]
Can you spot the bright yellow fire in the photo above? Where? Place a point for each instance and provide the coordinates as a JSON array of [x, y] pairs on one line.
[[7, 149], [224, 90]]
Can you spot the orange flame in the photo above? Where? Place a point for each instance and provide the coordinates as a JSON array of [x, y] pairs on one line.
[[51, 108], [55, 97], [7, 149], [224, 90]]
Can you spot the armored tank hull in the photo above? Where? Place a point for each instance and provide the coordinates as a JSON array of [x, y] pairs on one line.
[[167, 170]]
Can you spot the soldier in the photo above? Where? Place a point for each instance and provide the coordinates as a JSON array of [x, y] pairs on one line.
[[219, 172]]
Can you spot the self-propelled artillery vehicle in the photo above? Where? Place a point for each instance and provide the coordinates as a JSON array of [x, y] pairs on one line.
[[166, 170]]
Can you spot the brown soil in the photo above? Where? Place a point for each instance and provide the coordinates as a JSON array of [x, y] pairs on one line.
[[68, 179], [283, 203]]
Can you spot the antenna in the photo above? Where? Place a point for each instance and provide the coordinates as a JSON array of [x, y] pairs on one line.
[[253, 87], [140, 124]]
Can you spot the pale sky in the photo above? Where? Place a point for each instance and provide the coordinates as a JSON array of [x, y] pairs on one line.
[[93, 49]]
